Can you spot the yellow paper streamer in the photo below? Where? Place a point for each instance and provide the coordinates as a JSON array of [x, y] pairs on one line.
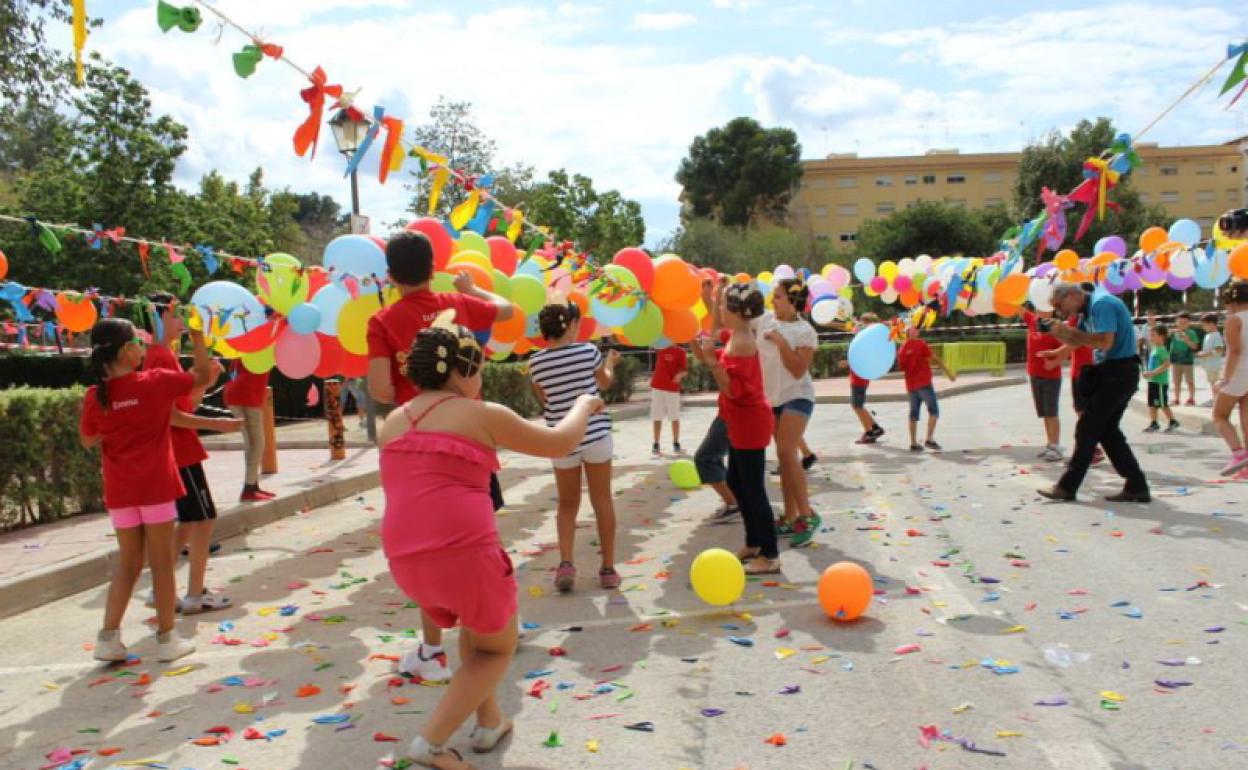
[[464, 212], [80, 36], [517, 225]]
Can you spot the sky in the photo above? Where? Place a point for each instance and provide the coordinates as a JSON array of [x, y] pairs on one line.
[[617, 91]]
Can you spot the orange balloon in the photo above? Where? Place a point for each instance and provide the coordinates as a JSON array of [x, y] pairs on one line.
[[1003, 309], [1102, 259], [512, 329], [909, 298], [676, 286], [1152, 238], [1012, 289], [845, 590], [1066, 260], [581, 301], [680, 326], [741, 278], [1238, 261], [75, 315], [4, 266], [482, 278]]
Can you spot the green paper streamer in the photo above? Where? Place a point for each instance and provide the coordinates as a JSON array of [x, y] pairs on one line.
[[170, 16], [184, 277]]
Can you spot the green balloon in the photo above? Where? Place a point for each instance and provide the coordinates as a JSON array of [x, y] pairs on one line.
[[502, 284], [470, 241], [443, 283], [684, 474], [646, 327], [528, 293]]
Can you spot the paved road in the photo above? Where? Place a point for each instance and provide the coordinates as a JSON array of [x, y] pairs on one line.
[[1128, 587]]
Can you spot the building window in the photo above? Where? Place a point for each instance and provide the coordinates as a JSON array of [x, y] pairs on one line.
[[912, 180], [1169, 170], [1234, 169], [1205, 169], [821, 211], [883, 181], [993, 203], [885, 207], [818, 183], [847, 210], [847, 181], [1169, 196], [956, 178], [849, 237], [929, 179], [1204, 196], [994, 177]]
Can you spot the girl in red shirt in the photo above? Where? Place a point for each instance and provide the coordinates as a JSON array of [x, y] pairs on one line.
[[244, 395], [127, 413], [743, 407]]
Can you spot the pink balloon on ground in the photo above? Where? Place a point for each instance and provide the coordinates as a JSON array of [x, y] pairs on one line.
[[639, 262], [297, 355]]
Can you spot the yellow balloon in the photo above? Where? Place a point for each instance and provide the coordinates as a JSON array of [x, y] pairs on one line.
[[281, 285], [766, 276], [261, 361], [699, 310], [888, 270], [827, 269], [717, 577], [472, 257], [353, 322], [223, 347]]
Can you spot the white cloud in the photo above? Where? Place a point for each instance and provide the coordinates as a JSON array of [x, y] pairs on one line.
[[663, 22], [738, 5]]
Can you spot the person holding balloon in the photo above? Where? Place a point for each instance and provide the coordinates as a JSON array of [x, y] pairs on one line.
[[915, 359], [561, 373], [786, 348], [410, 260], [710, 455], [439, 451], [871, 430], [749, 419]]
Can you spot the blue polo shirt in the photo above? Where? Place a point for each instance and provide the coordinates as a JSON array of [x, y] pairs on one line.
[[1107, 313]]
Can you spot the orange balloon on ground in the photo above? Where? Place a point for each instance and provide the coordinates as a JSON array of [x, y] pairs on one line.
[[512, 329], [1152, 238], [1238, 261], [680, 326], [845, 590]]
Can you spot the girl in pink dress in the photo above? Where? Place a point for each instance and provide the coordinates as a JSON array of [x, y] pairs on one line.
[[438, 531]]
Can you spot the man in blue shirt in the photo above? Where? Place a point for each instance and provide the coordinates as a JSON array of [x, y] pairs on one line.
[[1108, 386]]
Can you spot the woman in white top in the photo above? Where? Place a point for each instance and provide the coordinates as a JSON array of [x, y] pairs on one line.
[[787, 346], [1233, 387]]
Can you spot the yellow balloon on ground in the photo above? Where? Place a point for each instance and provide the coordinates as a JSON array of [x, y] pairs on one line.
[[717, 577], [684, 474], [353, 322], [260, 361]]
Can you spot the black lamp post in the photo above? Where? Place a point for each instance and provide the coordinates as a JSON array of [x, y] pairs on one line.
[[349, 127]]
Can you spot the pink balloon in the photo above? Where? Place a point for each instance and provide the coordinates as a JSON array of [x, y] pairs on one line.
[[297, 355], [434, 230], [879, 284], [502, 254], [902, 283], [838, 277], [640, 263]]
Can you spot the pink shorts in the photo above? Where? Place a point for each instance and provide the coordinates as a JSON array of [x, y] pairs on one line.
[[476, 588], [138, 515]]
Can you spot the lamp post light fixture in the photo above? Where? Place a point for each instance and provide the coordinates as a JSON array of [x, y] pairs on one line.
[[349, 127]]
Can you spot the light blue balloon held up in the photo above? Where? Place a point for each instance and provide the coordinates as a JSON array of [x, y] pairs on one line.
[[304, 318], [864, 270], [1185, 231], [871, 352]]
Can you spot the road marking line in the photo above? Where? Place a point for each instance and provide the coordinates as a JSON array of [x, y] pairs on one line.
[[956, 603], [1074, 756]]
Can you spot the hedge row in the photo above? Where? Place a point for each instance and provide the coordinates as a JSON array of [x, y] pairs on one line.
[[45, 474]]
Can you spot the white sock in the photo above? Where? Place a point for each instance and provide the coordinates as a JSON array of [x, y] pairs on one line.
[[427, 651]]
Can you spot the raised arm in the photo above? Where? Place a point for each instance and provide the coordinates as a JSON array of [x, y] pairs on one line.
[[511, 431], [605, 374], [202, 364], [464, 285]]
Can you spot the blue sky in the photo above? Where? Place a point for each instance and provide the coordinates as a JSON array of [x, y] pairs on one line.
[[618, 90]]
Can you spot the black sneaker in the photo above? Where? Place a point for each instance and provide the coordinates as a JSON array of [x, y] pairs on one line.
[[808, 461], [866, 438], [916, 447], [1173, 426], [654, 450], [932, 445], [1152, 428], [676, 448], [876, 431], [725, 513]]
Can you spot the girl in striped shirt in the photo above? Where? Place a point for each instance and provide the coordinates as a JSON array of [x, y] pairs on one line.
[[563, 371]]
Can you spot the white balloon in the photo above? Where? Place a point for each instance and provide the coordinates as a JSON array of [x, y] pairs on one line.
[[1040, 293], [1183, 264], [905, 266]]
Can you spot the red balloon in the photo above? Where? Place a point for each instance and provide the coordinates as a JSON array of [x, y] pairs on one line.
[[640, 263], [331, 356], [588, 327], [377, 239], [317, 278], [443, 246], [257, 339], [353, 365], [502, 254]]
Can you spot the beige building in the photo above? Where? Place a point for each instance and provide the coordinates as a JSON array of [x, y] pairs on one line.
[[842, 191]]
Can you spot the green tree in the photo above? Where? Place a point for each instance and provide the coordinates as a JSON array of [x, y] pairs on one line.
[[706, 243], [741, 174], [935, 228], [28, 64], [601, 223], [1056, 162]]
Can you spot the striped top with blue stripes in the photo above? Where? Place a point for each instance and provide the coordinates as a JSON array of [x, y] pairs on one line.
[[565, 373]]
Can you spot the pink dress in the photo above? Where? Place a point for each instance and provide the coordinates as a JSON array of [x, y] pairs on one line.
[[438, 530]]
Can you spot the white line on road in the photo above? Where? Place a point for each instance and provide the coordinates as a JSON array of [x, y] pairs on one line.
[[1074, 756], [955, 603]]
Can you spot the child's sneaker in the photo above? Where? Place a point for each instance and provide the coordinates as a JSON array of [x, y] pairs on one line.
[[804, 529], [1173, 426], [170, 647], [725, 513], [783, 528], [608, 578], [916, 447], [1152, 428], [1051, 454], [655, 451], [428, 666], [876, 430], [866, 438], [809, 461], [676, 448], [1238, 461], [205, 602], [108, 647], [565, 577]]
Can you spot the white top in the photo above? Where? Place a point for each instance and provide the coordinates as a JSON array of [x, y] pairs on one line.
[[778, 382], [565, 373], [1213, 340]]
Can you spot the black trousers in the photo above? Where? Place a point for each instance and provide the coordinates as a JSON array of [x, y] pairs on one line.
[[747, 478], [1107, 388]]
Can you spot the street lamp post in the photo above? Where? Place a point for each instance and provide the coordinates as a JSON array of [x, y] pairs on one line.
[[349, 127]]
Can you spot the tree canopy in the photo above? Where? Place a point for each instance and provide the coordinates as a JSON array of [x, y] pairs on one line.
[[741, 174], [935, 228]]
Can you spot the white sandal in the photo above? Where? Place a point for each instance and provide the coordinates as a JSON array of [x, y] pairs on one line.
[[486, 739], [424, 753], [205, 602]]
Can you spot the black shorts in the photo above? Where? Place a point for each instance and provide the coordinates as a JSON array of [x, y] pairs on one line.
[[196, 504], [496, 492], [1045, 393], [1158, 395], [858, 396]]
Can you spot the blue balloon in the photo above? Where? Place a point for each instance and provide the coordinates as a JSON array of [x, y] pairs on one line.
[[661, 342], [530, 267], [355, 255], [236, 307], [304, 318], [864, 270], [1185, 231], [482, 337], [531, 328], [613, 315], [329, 300], [871, 352]]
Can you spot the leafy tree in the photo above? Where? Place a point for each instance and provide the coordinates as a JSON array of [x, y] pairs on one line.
[[1056, 162], [601, 223], [741, 174], [28, 63], [705, 243], [935, 228]]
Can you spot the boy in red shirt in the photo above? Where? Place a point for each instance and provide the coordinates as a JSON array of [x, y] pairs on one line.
[[1045, 374], [670, 368], [915, 359], [871, 430], [391, 332], [244, 395]]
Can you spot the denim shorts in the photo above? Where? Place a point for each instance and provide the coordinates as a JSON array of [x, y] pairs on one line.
[[925, 395], [858, 396], [803, 406]]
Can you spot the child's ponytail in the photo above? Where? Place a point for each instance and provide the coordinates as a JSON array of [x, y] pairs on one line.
[[108, 337]]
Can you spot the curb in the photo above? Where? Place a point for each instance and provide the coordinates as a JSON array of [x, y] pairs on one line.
[[237, 446], [81, 573]]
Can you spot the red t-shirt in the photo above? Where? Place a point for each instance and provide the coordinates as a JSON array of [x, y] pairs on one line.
[[671, 361], [915, 359], [187, 449], [139, 468], [746, 411], [245, 387], [857, 382], [1081, 357], [393, 329], [1037, 343]]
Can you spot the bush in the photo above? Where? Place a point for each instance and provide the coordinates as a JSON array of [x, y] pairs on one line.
[[45, 474]]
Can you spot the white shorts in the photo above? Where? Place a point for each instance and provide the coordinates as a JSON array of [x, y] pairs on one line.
[[664, 405], [595, 454]]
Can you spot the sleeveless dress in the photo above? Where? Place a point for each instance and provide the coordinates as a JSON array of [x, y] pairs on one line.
[[1237, 381]]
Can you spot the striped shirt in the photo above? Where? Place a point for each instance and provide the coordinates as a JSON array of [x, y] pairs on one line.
[[563, 374]]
